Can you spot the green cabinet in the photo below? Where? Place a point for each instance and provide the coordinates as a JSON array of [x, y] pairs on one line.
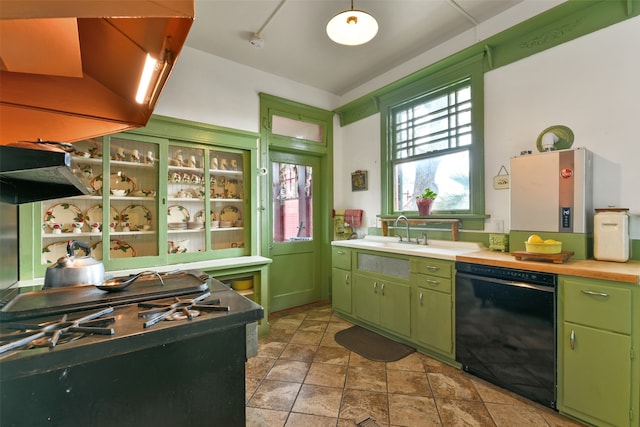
[[432, 305], [382, 302], [597, 372], [341, 279]]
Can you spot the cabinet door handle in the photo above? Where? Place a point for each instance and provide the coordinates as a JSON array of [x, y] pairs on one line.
[[382, 289], [598, 294], [347, 279], [433, 268], [572, 340], [375, 287], [340, 252], [420, 298], [433, 282]]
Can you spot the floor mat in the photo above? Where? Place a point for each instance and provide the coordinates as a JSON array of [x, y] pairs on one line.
[[371, 345]]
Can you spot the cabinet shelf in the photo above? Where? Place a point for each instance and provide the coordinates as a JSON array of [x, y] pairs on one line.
[[98, 235], [222, 172], [98, 161]]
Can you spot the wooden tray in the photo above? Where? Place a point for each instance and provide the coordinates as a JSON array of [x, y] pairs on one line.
[[556, 258]]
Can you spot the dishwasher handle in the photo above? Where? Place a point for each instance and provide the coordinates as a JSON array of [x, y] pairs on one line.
[[507, 282]]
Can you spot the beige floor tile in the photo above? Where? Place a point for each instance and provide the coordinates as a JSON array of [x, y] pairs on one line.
[[338, 325], [288, 370], [358, 403], [250, 386], [271, 349], [277, 395], [366, 378], [279, 335], [326, 374], [288, 323], [412, 362], [452, 387], [554, 419], [413, 411], [258, 417], [307, 337], [258, 367], [435, 366], [318, 400], [333, 355], [313, 326], [503, 415], [356, 360], [320, 314], [306, 420], [490, 393], [408, 382], [465, 413], [301, 352], [329, 340]]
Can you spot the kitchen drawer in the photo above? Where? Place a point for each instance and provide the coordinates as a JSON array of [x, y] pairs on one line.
[[341, 258], [442, 284], [598, 305], [433, 267]]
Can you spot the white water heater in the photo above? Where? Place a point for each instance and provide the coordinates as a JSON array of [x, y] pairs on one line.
[[552, 191]]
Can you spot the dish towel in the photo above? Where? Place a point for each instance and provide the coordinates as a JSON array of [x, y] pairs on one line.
[[353, 217]]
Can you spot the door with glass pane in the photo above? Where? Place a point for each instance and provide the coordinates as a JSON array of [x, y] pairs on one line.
[[294, 222]]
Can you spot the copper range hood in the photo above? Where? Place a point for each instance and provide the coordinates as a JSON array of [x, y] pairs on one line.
[[70, 69]]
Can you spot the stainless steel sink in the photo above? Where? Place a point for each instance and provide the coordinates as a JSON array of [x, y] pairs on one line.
[[443, 249]]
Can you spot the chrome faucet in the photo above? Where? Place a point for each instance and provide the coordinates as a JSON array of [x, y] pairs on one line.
[[406, 220], [424, 237]]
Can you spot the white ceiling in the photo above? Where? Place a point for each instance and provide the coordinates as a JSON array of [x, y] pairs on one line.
[[296, 46]]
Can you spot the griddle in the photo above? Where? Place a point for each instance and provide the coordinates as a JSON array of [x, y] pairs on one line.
[[76, 298]]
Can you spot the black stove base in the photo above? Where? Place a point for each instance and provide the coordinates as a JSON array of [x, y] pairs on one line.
[[198, 381]]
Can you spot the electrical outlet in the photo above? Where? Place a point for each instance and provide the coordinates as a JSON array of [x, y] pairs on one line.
[[372, 222]]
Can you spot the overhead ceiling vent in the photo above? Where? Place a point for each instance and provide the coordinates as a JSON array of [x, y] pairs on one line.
[[71, 70]]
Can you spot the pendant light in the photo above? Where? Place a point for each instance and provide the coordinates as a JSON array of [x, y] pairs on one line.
[[352, 27]]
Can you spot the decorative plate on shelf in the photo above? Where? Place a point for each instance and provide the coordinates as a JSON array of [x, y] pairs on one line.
[[178, 213], [143, 193], [94, 214], [53, 252], [64, 214], [200, 216], [116, 181], [137, 216], [117, 249], [230, 213]]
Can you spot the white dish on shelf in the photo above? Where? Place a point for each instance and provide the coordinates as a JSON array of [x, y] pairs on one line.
[[94, 215], [229, 213], [116, 182], [137, 216], [178, 214], [63, 215], [143, 193]]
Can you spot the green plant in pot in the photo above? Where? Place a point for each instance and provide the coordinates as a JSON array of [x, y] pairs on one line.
[[425, 201]]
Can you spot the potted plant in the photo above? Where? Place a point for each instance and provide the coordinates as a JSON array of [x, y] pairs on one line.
[[425, 200]]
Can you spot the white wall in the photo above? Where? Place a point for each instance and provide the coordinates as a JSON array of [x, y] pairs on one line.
[[209, 89], [590, 85]]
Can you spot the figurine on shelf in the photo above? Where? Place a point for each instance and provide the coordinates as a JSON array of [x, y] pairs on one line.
[[149, 158], [126, 227], [95, 228], [77, 227], [192, 162], [56, 228], [135, 156]]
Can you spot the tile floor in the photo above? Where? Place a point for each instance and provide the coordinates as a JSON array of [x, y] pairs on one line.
[[302, 377]]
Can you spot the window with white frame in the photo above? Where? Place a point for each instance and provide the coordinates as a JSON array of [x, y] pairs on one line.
[[430, 145]]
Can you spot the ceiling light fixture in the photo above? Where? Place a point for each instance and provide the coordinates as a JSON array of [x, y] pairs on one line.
[[352, 27]]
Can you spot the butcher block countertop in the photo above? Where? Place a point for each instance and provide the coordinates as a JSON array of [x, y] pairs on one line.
[[626, 272]]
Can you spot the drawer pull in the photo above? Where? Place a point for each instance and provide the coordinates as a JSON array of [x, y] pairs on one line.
[[598, 294], [572, 340], [347, 279], [375, 287], [432, 282], [420, 298], [340, 252], [433, 268], [382, 289]]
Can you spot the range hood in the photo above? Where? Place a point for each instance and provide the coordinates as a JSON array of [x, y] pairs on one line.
[[39, 171], [70, 69]]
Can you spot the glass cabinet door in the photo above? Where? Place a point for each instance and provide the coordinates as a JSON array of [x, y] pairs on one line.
[[226, 178], [132, 190], [186, 195]]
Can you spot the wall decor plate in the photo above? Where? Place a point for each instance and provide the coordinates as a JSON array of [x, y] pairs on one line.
[[64, 214], [137, 216], [178, 213], [94, 214], [116, 181], [53, 252], [230, 213], [117, 249]]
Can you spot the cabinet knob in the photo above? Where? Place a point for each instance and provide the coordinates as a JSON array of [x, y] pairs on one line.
[[382, 289], [420, 298], [375, 287], [347, 279]]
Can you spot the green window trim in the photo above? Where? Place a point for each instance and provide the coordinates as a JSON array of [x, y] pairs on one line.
[[563, 23], [472, 69]]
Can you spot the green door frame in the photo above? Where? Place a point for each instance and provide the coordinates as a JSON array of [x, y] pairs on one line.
[[269, 106]]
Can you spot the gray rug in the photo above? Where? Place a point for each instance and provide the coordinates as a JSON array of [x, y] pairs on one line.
[[371, 345]]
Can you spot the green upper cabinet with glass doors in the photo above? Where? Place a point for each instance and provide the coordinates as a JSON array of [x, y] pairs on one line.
[[172, 192]]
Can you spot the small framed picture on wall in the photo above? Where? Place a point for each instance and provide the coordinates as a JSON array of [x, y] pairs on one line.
[[359, 181]]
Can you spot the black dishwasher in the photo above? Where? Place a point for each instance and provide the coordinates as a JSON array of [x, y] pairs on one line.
[[505, 328]]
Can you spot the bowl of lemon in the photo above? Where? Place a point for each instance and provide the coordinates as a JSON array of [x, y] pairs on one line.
[[537, 245]]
